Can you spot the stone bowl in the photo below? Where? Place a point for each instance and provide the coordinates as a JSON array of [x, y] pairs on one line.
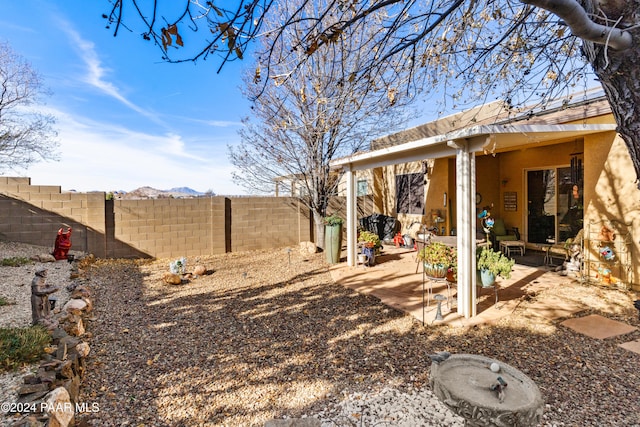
[[463, 383]]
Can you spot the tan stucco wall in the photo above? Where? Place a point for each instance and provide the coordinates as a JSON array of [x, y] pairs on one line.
[[512, 171], [614, 194], [436, 184]]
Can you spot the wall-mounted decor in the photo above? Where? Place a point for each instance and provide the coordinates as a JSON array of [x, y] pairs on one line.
[[510, 201]]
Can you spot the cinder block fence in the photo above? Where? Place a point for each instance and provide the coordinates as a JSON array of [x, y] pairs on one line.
[[160, 228]]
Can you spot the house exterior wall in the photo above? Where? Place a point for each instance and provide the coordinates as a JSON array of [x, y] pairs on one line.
[[612, 196], [610, 189]]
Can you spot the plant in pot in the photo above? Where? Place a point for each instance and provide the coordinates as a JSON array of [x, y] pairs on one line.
[[437, 259], [491, 264], [333, 237], [370, 245]]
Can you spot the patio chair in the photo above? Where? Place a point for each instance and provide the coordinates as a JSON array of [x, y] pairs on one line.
[[499, 233]]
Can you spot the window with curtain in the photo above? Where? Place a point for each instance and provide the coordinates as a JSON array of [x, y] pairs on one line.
[[410, 193]]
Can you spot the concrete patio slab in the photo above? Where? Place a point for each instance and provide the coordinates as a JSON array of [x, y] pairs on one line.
[[597, 326], [394, 280], [632, 346]]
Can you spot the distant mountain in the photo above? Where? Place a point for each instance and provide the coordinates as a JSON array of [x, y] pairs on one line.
[[153, 193], [185, 190]]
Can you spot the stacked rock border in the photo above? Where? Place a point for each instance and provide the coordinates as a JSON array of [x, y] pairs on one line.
[[49, 397]]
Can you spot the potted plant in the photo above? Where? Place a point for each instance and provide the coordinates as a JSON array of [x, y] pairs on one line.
[[437, 259], [491, 264], [370, 245], [333, 237]]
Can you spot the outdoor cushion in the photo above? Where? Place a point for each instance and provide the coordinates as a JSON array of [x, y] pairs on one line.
[[498, 228]]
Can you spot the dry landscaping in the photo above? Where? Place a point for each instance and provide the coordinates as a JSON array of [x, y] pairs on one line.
[[267, 334]]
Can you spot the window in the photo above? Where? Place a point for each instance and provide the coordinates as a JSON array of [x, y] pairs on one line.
[[410, 193], [363, 188]]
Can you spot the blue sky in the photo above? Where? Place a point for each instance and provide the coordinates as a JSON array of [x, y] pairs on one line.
[[125, 119]]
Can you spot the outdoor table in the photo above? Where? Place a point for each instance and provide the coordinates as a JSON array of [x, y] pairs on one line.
[[508, 246], [464, 382]]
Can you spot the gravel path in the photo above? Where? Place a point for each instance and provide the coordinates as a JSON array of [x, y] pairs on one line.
[[264, 337]]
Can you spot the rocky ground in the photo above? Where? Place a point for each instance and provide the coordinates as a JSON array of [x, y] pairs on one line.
[[267, 334]]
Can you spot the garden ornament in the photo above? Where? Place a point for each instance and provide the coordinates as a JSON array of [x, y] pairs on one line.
[[62, 244]]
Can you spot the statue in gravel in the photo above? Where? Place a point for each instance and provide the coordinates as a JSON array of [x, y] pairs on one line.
[[40, 291], [62, 244]]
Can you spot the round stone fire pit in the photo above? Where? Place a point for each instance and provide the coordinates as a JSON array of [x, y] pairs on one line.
[[469, 386]]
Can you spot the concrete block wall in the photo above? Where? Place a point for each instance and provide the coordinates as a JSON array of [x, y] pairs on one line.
[[160, 228], [165, 228], [268, 222], [34, 213]]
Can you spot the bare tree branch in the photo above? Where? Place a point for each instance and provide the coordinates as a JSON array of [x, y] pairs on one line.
[[581, 26]]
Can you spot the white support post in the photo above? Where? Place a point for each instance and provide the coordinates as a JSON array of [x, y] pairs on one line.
[[466, 227], [352, 230]]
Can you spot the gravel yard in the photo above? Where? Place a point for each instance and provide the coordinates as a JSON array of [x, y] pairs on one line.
[[267, 334]]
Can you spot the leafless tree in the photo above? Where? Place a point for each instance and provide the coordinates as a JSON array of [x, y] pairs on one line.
[[468, 49], [26, 135], [313, 112]]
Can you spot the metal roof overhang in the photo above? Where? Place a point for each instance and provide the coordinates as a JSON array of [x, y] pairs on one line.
[[489, 138]]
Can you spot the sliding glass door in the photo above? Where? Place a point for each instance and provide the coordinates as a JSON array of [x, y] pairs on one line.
[[554, 199]]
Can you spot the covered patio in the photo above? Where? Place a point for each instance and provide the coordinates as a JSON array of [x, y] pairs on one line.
[[462, 144], [394, 280]]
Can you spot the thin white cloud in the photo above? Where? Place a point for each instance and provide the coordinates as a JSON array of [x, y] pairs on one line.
[[103, 157], [97, 75]]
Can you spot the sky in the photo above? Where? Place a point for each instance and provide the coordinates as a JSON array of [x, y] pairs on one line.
[[125, 119]]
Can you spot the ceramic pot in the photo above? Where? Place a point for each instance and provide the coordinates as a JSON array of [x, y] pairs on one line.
[[487, 278], [437, 271]]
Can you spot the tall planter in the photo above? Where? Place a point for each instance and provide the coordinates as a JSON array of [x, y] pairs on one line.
[[332, 243]]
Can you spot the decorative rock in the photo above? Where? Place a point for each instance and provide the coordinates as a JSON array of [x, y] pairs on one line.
[[43, 258], [199, 270], [308, 248], [66, 370], [72, 386], [74, 326], [81, 292], [75, 306], [58, 405], [29, 421], [83, 349], [172, 279], [32, 388]]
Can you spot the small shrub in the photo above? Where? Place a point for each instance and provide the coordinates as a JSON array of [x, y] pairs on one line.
[[4, 301], [15, 261], [22, 346]]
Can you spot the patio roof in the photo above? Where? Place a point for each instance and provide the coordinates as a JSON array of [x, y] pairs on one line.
[[463, 144], [483, 138]]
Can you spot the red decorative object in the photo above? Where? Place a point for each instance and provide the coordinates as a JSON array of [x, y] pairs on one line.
[[398, 240], [62, 245]]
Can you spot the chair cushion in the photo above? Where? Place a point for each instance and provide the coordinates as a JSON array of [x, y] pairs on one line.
[[509, 237], [498, 228]]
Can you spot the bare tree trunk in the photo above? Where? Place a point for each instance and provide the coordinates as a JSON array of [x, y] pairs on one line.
[[619, 74], [318, 221]]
